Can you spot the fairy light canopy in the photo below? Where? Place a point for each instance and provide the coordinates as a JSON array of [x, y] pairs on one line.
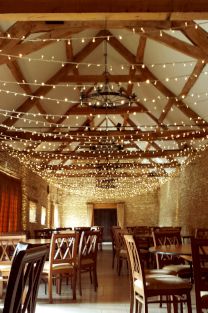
[[104, 111]]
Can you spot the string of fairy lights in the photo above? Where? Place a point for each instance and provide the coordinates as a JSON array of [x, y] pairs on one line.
[[129, 179], [135, 30]]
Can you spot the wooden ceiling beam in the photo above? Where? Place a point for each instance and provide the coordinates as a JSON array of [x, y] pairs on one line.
[[110, 155], [75, 135], [141, 49], [107, 10], [196, 34], [186, 88], [28, 47], [176, 44], [115, 165], [107, 175], [179, 104]]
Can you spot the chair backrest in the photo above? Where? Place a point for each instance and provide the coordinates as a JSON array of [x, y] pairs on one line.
[[167, 237], [113, 228], [166, 228], [100, 229], [119, 238], [44, 233], [200, 269], [135, 262], [88, 245], [201, 233], [58, 229], [24, 279], [63, 248], [139, 230], [8, 245]]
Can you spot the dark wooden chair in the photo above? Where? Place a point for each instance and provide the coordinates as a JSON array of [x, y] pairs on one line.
[[168, 261], [87, 256], [200, 270], [8, 248], [120, 249], [113, 237], [45, 233], [100, 238], [201, 233], [24, 279]]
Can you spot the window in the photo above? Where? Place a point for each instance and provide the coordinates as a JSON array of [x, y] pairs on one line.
[[56, 216], [43, 215], [32, 212]]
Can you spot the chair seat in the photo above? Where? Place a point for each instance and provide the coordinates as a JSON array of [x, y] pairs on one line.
[[5, 268], [87, 261], [123, 253], [204, 299], [58, 266], [179, 269], [164, 283], [159, 272]]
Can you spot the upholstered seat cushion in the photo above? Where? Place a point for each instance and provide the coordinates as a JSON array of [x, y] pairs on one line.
[[165, 282], [159, 272], [58, 266], [123, 253], [204, 299], [5, 268], [179, 269]]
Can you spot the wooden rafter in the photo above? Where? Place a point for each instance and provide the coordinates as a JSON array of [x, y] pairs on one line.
[[120, 154], [187, 87], [180, 104], [162, 10], [188, 134], [115, 165]]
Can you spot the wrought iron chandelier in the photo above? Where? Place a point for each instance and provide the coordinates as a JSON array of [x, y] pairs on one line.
[[104, 95]]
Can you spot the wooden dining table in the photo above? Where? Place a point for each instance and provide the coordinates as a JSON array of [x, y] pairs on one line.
[[182, 249], [38, 241]]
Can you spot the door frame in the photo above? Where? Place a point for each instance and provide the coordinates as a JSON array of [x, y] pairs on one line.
[[119, 206]]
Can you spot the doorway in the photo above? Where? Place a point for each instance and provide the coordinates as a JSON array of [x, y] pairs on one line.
[[106, 218]]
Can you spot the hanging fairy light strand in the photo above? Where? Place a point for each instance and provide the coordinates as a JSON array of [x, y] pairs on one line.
[[135, 30]]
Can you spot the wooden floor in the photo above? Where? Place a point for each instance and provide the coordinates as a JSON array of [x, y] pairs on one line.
[[112, 295]]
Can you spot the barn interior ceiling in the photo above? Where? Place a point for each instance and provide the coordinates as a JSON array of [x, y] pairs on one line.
[[107, 108]]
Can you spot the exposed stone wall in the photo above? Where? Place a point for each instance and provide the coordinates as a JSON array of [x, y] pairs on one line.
[[140, 210], [184, 199]]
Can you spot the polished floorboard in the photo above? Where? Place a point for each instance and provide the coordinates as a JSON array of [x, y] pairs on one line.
[[112, 295]]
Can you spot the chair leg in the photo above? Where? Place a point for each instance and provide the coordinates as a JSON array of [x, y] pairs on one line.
[[140, 307], [175, 305], [188, 297], [1, 287], [113, 257], [79, 282], [95, 278], [132, 298], [119, 266], [74, 280], [90, 275], [145, 307], [50, 289]]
